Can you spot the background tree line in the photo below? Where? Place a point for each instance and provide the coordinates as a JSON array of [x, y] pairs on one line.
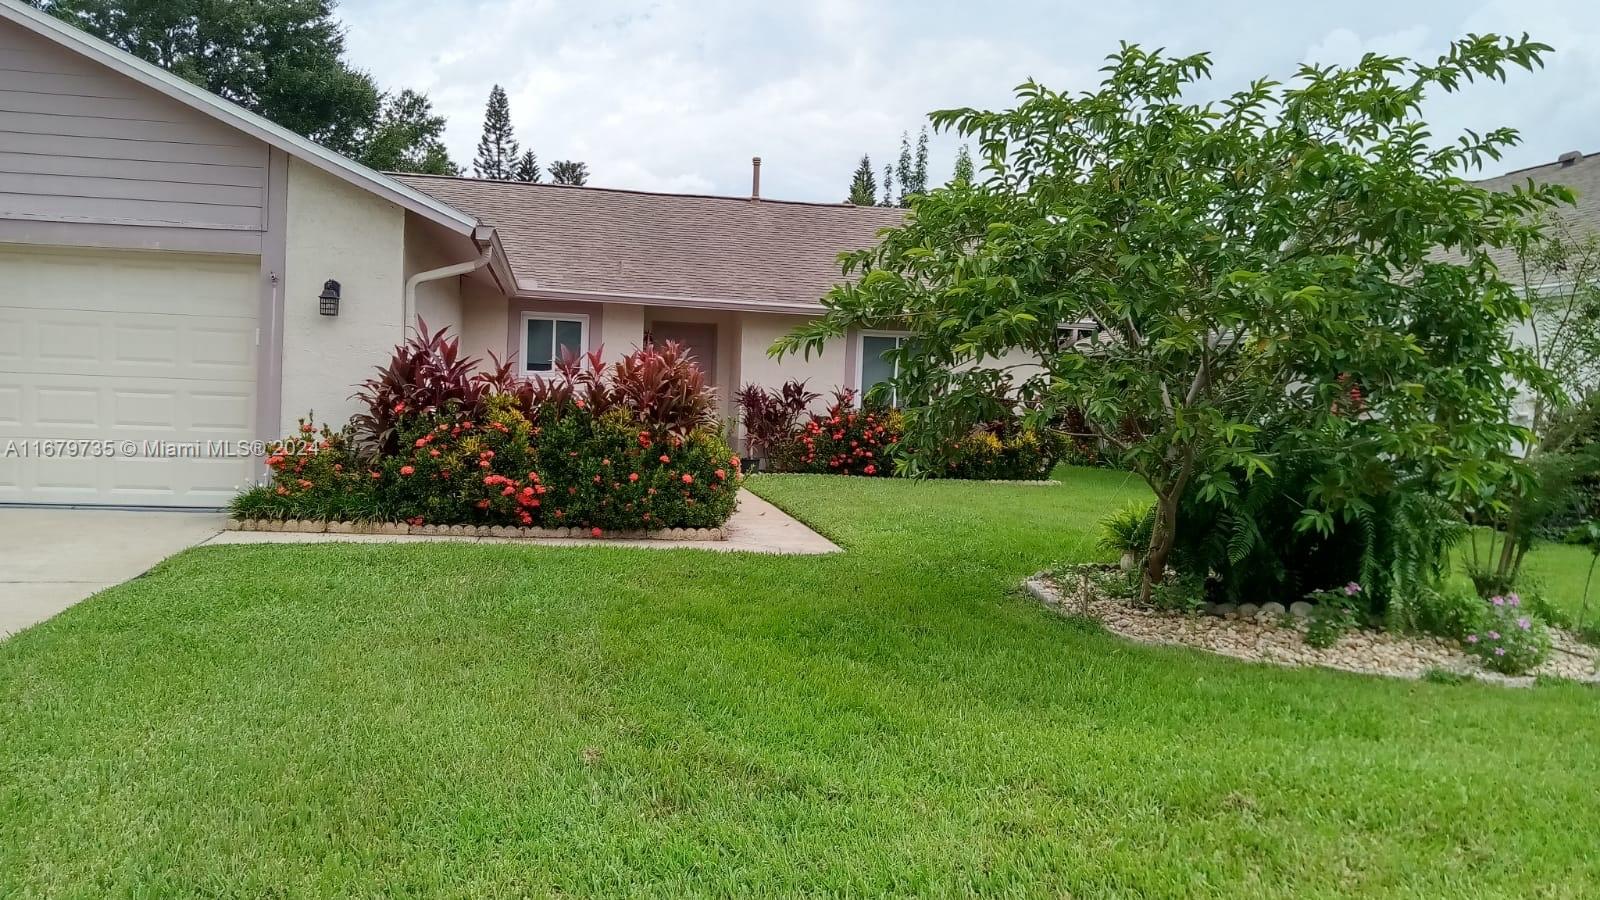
[[911, 169], [284, 60]]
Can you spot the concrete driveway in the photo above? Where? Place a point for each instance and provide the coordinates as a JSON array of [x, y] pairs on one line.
[[52, 558]]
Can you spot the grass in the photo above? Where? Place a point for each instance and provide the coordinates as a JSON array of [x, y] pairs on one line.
[[358, 720], [1554, 571]]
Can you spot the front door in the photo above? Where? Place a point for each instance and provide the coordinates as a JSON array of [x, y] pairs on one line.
[[699, 338]]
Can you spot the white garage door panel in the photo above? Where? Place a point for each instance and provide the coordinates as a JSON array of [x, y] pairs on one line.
[[153, 348]]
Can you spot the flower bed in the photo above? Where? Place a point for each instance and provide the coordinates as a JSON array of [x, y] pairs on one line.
[[630, 447], [1279, 638], [844, 440], [849, 440]]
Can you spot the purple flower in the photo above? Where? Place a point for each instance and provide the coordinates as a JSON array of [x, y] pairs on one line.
[[1498, 600], [1513, 599], [1499, 651], [1494, 635], [1524, 624], [1352, 589], [1472, 639]]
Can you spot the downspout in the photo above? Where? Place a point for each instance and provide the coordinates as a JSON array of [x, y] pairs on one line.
[[409, 313]]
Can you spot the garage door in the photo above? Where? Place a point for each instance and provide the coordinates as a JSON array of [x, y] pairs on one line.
[[126, 378]]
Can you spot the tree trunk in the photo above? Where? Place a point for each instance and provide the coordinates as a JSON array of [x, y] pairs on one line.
[[1162, 537], [1506, 565]]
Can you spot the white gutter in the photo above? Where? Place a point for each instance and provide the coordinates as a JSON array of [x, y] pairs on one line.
[[409, 313]]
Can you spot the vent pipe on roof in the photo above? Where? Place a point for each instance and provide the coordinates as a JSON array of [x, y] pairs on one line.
[[1570, 157], [755, 178]]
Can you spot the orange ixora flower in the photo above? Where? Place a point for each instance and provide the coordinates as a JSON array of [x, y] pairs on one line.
[[408, 470]]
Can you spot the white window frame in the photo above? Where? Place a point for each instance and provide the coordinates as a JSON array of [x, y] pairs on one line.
[[861, 361], [522, 338]]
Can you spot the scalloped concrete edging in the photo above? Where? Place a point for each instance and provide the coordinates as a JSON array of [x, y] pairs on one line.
[[313, 526], [1042, 587], [756, 526]]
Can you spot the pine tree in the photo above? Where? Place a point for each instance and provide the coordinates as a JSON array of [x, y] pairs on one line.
[[919, 169], [863, 187], [497, 149], [527, 169], [569, 171], [963, 173], [904, 170], [888, 186]]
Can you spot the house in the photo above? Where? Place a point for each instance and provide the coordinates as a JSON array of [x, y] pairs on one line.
[[1578, 222], [180, 278]]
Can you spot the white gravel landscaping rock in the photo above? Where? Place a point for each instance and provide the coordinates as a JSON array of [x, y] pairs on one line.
[[1267, 640]]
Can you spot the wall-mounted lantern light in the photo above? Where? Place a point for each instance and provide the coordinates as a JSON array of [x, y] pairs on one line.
[[328, 300]]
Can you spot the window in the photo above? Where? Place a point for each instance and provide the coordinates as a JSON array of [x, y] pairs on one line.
[[875, 368], [545, 339], [1069, 335]]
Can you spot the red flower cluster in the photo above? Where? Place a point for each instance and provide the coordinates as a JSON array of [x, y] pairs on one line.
[[844, 440]]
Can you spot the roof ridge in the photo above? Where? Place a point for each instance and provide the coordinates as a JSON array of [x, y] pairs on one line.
[[1544, 165], [526, 185]]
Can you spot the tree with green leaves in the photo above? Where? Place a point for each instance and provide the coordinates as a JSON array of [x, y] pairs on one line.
[[888, 187], [906, 170], [283, 59], [497, 147], [919, 167], [568, 171], [527, 168], [863, 186], [1277, 256], [408, 137], [1559, 275], [963, 172]]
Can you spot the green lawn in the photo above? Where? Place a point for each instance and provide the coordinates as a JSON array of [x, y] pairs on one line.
[[505, 721], [1555, 571]]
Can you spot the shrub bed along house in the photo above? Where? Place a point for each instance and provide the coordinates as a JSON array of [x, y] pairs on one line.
[[847, 439], [631, 446]]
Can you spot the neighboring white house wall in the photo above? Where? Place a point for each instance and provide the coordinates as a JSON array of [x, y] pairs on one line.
[[341, 232]]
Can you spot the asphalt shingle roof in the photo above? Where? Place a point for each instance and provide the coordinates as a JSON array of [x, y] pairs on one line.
[[1583, 176], [668, 245]]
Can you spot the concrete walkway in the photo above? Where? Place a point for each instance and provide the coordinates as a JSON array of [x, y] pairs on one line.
[[756, 527], [53, 558]]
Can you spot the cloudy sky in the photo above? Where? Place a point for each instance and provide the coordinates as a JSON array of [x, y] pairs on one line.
[[677, 95]]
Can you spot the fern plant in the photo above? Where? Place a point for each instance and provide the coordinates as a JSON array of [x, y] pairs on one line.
[[1126, 532]]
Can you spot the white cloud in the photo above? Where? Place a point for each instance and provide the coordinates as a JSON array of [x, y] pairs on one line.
[[678, 95]]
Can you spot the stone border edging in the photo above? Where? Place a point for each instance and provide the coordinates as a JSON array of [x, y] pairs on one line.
[[314, 526], [1043, 589]]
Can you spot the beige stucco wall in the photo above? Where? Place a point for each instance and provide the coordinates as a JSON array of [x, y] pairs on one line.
[[823, 373], [622, 330], [338, 231], [438, 301], [483, 320]]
